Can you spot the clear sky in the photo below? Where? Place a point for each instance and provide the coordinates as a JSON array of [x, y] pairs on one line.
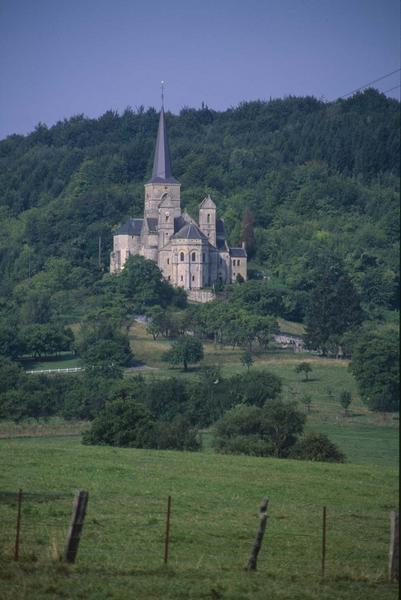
[[59, 58]]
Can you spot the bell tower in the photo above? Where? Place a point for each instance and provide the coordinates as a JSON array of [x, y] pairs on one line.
[[162, 182]]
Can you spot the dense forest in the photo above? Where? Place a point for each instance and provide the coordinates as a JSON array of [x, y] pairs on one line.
[[305, 176], [312, 188]]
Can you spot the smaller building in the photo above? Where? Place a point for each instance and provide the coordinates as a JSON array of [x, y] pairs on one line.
[[193, 255]]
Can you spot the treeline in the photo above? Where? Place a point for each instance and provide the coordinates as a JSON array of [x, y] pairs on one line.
[[310, 174]]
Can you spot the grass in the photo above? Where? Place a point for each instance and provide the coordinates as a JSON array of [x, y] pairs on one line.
[[364, 436], [214, 519], [64, 360]]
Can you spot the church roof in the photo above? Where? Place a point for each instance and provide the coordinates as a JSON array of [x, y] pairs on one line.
[[207, 203], [130, 227], [189, 232], [162, 162], [152, 224], [238, 252]]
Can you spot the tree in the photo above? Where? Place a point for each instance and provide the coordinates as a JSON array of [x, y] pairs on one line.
[[246, 359], [333, 307], [317, 447], [375, 365], [306, 399], [268, 431], [254, 388], [304, 367], [185, 350], [247, 232], [122, 423], [345, 401]]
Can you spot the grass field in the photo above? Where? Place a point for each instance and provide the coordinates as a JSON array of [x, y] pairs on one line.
[[365, 437], [214, 520]]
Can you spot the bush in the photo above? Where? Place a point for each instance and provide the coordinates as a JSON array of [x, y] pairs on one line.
[[176, 435], [317, 447], [122, 423], [268, 431]]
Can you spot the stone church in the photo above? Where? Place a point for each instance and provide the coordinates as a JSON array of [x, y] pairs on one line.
[[193, 255]]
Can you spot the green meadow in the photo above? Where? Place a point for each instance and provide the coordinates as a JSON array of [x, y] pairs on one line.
[[215, 502]]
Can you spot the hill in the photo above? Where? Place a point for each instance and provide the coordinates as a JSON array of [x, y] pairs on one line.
[[214, 507], [311, 173]]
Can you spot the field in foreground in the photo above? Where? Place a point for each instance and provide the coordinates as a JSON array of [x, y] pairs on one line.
[[214, 519]]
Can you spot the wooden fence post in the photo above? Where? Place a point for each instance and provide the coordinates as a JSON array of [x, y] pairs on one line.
[[76, 525], [253, 558], [394, 554], [18, 526], [323, 564], [167, 537]]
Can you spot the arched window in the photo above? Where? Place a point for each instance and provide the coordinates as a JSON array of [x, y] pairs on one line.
[[168, 261], [166, 218], [208, 217], [193, 257], [181, 256]]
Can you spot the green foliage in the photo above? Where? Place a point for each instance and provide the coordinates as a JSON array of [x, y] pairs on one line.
[[122, 423], [317, 447], [304, 367], [345, 400], [268, 431], [103, 347], [184, 351], [375, 365], [247, 359], [253, 388], [334, 305]]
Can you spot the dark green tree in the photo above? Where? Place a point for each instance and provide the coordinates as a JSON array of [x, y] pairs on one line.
[[375, 365], [184, 351]]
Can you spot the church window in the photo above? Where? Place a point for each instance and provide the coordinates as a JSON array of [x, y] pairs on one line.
[[221, 260], [166, 218], [193, 277], [203, 257], [181, 256], [208, 218], [168, 261], [193, 257], [238, 263], [169, 278], [182, 278]]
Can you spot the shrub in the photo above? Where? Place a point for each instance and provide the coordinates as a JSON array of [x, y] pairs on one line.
[[268, 431], [317, 447]]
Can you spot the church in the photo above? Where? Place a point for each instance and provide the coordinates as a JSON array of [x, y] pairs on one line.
[[193, 255]]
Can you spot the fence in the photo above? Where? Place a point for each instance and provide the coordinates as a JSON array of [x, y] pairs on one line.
[[144, 532], [56, 371]]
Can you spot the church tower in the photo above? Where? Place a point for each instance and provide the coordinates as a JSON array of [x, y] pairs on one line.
[[207, 219], [162, 184]]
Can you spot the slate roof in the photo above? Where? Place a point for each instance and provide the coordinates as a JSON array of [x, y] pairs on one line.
[[152, 224], [221, 244], [220, 231], [130, 227], [189, 232], [238, 252], [162, 162]]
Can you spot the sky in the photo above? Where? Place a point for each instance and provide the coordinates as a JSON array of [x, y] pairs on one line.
[[60, 58]]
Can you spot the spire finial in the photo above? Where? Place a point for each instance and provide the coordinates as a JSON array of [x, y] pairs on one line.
[[162, 87]]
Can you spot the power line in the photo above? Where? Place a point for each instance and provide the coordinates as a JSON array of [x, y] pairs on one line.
[[391, 89], [371, 83]]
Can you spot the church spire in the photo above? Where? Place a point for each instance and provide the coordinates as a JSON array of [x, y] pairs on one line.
[[162, 163]]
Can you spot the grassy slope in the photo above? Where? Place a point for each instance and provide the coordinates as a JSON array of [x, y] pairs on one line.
[[213, 525], [364, 436]]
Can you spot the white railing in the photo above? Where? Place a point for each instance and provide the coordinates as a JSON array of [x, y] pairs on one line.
[[67, 370]]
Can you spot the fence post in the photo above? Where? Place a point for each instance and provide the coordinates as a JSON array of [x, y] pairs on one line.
[[394, 554], [18, 526], [323, 564], [251, 566], [167, 537], [76, 525]]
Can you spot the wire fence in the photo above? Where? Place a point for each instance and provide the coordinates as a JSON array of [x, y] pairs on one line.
[[135, 532]]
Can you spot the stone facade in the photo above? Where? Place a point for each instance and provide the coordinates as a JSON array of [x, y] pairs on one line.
[[193, 255]]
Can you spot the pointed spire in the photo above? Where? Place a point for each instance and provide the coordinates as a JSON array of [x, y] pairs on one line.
[[162, 162]]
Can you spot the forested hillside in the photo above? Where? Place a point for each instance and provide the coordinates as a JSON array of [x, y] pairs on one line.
[[314, 176]]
